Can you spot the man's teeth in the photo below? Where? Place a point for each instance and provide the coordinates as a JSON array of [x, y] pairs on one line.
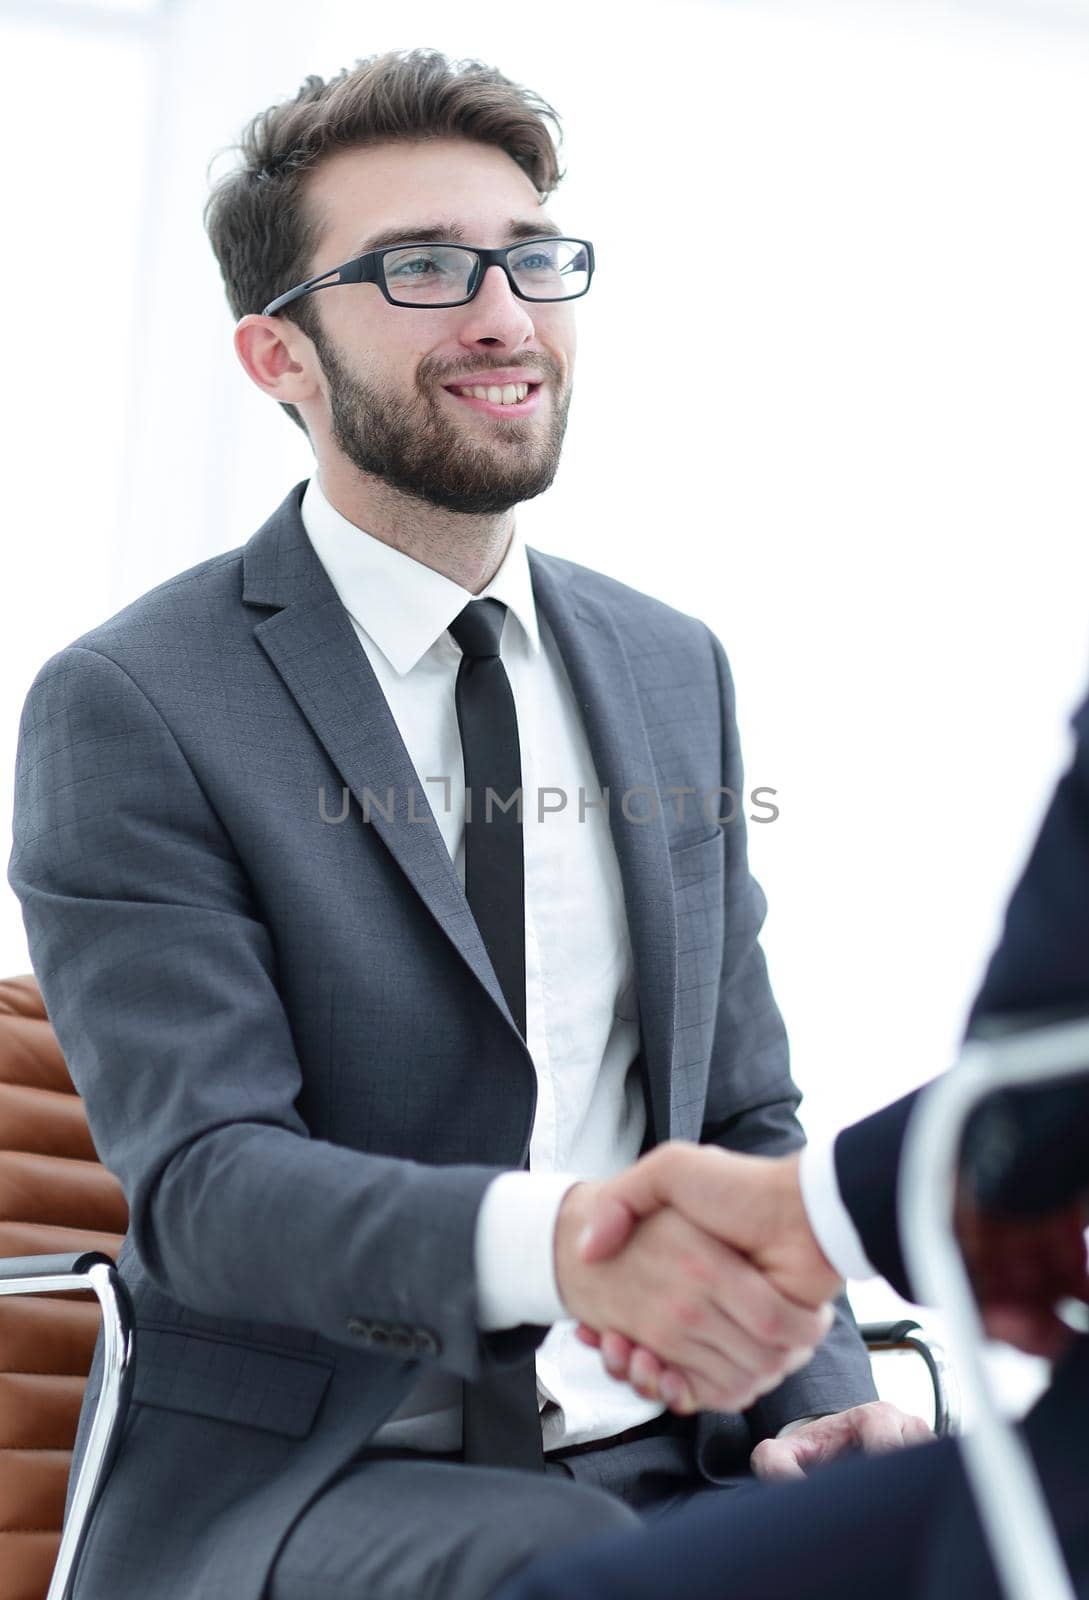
[[510, 393]]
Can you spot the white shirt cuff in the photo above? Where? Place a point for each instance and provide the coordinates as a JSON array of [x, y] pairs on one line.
[[514, 1250], [828, 1216]]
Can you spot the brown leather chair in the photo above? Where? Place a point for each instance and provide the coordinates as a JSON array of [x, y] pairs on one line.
[[61, 1216], [57, 1205]]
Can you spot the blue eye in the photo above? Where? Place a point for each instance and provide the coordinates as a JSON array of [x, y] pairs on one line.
[[406, 269], [539, 261]]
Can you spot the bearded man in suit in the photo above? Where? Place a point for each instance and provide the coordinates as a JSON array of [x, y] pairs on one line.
[[377, 887]]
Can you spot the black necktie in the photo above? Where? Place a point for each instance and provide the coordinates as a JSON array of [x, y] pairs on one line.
[[502, 1425]]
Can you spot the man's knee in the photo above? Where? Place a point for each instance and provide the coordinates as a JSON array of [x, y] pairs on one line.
[[570, 1512], [561, 1514]]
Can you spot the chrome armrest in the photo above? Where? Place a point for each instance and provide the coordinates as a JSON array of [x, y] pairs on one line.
[[906, 1334], [1000, 1469], [67, 1275]]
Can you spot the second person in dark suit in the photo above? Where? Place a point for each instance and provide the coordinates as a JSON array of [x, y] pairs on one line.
[[904, 1527]]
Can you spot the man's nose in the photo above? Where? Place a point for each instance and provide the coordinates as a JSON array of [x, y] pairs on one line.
[[496, 315]]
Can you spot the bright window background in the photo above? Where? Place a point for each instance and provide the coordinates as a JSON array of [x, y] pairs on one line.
[[831, 399]]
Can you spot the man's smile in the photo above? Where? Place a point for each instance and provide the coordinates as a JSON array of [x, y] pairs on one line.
[[499, 394]]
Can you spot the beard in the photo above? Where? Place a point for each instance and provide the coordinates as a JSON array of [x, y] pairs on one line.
[[411, 444]]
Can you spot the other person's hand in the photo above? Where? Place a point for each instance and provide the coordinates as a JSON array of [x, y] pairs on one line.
[[670, 1285], [1022, 1268], [875, 1428], [753, 1202]]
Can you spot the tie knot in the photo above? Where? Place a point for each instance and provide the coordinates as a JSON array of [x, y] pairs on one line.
[[477, 629]]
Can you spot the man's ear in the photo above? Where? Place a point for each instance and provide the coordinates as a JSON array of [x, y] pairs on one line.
[[278, 357]]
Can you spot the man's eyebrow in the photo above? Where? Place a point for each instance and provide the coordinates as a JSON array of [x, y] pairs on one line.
[[432, 232]]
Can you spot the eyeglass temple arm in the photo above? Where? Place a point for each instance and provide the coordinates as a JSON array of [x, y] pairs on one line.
[[362, 270]]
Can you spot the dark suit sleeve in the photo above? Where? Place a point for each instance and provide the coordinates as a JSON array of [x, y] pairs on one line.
[[752, 1100], [867, 1164], [1041, 963], [160, 980], [1029, 1150], [1026, 1150]]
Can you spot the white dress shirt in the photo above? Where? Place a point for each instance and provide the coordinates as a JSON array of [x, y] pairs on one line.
[[828, 1216], [581, 1016]]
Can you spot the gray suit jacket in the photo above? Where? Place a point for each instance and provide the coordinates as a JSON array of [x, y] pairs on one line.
[[292, 1047]]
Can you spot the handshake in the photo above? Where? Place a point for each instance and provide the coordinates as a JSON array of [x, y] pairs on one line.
[[699, 1277]]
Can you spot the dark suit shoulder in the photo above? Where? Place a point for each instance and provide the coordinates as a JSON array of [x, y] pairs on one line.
[[202, 591], [628, 607], [1080, 724], [1040, 964], [1027, 1150], [201, 608]]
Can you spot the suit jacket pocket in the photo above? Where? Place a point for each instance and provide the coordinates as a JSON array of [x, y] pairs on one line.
[[692, 855], [232, 1382], [697, 868]]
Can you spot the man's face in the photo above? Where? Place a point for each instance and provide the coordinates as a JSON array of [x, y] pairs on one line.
[[392, 371]]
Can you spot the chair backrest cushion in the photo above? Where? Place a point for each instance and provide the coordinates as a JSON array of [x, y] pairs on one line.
[[55, 1197]]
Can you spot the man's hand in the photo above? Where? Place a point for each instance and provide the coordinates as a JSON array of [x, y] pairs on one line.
[[1022, 1268], [671, 1286], [753, 1202], [875, 1428]]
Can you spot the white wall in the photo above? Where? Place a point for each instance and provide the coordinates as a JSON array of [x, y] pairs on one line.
[[848, 432], [74, 113]]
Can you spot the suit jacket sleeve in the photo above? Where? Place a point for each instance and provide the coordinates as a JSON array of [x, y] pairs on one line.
[[752, 1099], [1027, 1150], [160, 980]]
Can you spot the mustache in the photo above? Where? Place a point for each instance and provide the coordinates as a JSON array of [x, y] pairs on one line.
[[538, 362]]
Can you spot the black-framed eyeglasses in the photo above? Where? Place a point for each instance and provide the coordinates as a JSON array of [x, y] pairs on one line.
[[440, 275]]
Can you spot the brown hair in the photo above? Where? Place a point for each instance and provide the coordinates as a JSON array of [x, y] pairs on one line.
[[256, 217]]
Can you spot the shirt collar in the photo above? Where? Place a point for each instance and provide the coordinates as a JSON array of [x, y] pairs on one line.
[[400, 602]]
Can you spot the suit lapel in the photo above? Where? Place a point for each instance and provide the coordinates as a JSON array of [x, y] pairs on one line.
[[601, 677], [310, 641]]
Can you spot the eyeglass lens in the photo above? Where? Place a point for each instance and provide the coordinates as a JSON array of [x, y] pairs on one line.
[[438, 274]]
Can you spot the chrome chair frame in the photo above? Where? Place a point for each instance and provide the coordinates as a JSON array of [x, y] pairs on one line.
[[906, 1334], [68, 1275], [1000, 1469]]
